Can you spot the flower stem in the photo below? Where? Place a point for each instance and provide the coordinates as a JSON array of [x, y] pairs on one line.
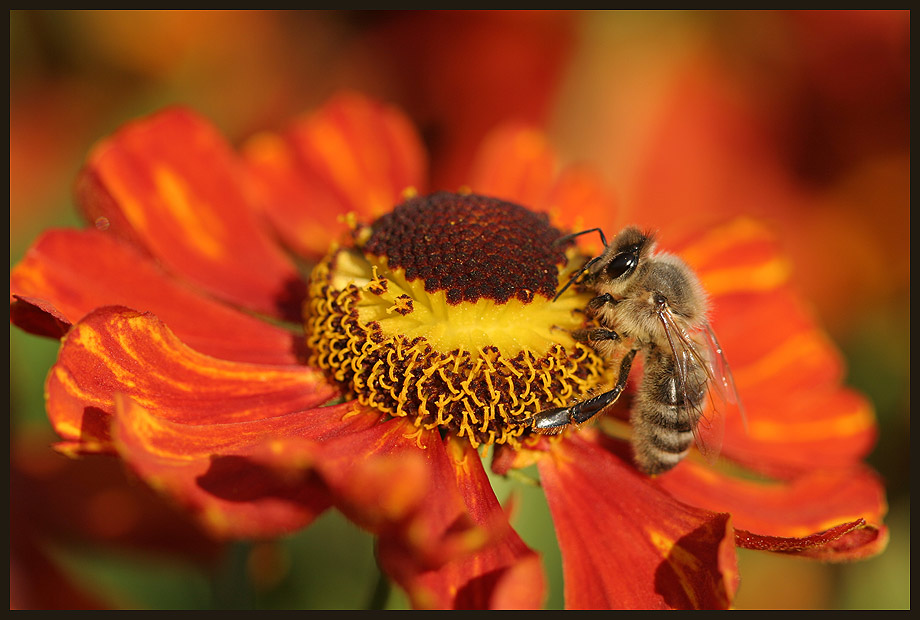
[[381, 594], [230, 584]]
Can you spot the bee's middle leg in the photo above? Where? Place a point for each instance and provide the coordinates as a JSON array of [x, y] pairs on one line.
[[594, 334]]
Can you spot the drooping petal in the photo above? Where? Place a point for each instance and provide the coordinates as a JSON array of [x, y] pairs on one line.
[[225, 473], [787, 371], [804, 514], [37, 316], [505, 573], [626, 544], [352, 155], [845, 542], [120, 351], [75, 272], [442, 534], [381, 479], [171, 185]]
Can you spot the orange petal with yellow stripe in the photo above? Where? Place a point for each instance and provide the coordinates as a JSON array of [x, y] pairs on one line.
[[75, 272], [120, 351], [626, 544], [442, 533], [732, 257], [827, 429], [172, 185], [787, 371], [788, 375], [352, 155]]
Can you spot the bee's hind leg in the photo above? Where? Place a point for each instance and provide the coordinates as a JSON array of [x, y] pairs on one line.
[[554, 420]]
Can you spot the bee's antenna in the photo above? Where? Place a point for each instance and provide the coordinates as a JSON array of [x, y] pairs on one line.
[[576, 275], [566, 238]]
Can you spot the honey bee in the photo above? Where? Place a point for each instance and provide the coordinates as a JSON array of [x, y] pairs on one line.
[[653, 303]]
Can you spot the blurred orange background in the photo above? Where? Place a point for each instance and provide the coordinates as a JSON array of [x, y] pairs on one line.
[[801, 119]]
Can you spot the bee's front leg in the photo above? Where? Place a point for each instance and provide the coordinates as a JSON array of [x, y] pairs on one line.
[[600, 301]]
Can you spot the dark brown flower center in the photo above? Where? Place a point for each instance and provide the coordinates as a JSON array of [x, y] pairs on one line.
[[472, 247]]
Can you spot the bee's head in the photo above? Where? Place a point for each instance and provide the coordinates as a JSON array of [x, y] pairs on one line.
[[617, 267], [647, 286], [664, 295]]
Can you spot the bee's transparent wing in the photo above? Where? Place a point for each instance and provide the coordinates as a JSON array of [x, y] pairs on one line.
[[721, 374], [706, 419]]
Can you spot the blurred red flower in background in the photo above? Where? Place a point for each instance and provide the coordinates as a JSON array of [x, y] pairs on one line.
[[799, 118], [182, 353]]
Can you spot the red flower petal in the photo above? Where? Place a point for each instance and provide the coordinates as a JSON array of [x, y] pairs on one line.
[[462, 72], [353, 154], [119, 351], [796, 512], [220, 471], [443, 536], [381, 478], [580, 200], [172, 185], [78, 271], [830, 428], [505, 574], [625, 544], [515, 163]]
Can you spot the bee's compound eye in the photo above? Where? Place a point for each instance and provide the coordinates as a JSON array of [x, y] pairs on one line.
[[622, 264]]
